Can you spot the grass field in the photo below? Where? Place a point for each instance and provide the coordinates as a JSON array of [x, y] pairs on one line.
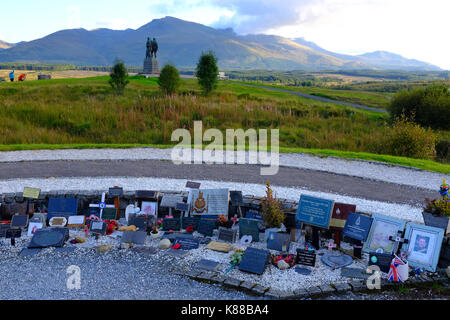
[[86, 113]]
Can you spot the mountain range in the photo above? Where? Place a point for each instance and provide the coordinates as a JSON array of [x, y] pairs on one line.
[[182, 42]]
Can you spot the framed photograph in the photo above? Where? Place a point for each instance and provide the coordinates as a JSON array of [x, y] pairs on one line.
[[149, 208], [382, 228], [33, 227], [424, 246]]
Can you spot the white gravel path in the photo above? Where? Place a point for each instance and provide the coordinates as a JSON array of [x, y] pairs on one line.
[[131, 184], [357, 168]]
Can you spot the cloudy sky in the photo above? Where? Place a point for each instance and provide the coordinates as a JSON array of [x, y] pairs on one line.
[[416, 29]]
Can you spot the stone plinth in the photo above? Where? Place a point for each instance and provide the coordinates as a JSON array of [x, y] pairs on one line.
[[151, 66]]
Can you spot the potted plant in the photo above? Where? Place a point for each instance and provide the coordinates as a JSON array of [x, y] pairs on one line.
[[155, 233], [437, 212], [272, 212]]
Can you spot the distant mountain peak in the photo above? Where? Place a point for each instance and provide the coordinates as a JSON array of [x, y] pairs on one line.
[[181, 43]]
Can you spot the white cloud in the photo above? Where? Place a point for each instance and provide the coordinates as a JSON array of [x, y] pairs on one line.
[[73, 17]]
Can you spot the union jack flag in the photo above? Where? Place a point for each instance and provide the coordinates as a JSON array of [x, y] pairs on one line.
[[393, 274]]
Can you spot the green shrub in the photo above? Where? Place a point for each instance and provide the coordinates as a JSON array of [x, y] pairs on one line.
[[169, 79], [119, 77], [272, 209], [430, 106], [207, 72], [443, 150], [408, 139]]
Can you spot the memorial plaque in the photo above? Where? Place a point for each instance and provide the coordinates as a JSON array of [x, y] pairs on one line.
[[209, 202], [144, 194], [115, 192], [356, 273], [170, 201], [98, 227], [32, 193], [236, 198], [314, 211], [190, 221], [336, 261], [382, 260], [109, 214], [187, 244], [206, 228], [57, 222], [193, 185], [357, 226], [254, 260], [139, 221], [228, 235], [49, 237], [136, 237], [340, 214], [208, 265], [276, 241], [254, 214], [171, 224], [172, 236], [33, 227], [219, 246], [62, 207], [181, 206], [249, 227], [306, 258], [13, 233], [76, 221], [3, 228], [18, 221]]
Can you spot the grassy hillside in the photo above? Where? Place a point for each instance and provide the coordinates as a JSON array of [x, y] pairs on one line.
[[86, 112]]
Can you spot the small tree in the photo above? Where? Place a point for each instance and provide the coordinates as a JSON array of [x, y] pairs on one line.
[[119, 77], [207, 72], [272, 209], [169, 79]]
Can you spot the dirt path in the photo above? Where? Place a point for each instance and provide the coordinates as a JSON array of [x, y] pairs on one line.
[[286, 177], [309, 96]]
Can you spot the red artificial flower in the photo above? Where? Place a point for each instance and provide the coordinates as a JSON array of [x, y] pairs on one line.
[[177, 246], [189, 229]]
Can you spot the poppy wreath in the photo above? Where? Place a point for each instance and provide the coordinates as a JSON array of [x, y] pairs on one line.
[[288, 258]]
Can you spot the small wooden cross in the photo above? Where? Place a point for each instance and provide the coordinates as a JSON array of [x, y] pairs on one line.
[[102, 205], [398, 240]]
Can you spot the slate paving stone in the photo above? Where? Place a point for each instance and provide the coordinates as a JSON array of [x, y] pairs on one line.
[[29, 252], [314, 291], [193, 273], [259, 290], [231, 282], [219, 278], [326, 289], [358, 286], [301, 293], [273, 293], [248, 285], [342, 287], [205, 276], [208, 265]]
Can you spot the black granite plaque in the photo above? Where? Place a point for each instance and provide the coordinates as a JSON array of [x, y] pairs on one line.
[[13, 233], [193, 185], [62, 207], [249, 227], [382, 260], [227, 235], [115, 192], [148, 195], [171, 224], [136, 237], [254, 260], [306, 257], [18, 221], [209, 265], [187, 244], [206, 228], [190, 221], [138, 221]]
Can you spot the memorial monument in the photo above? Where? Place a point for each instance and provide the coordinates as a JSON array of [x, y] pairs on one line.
[[151, 63]]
